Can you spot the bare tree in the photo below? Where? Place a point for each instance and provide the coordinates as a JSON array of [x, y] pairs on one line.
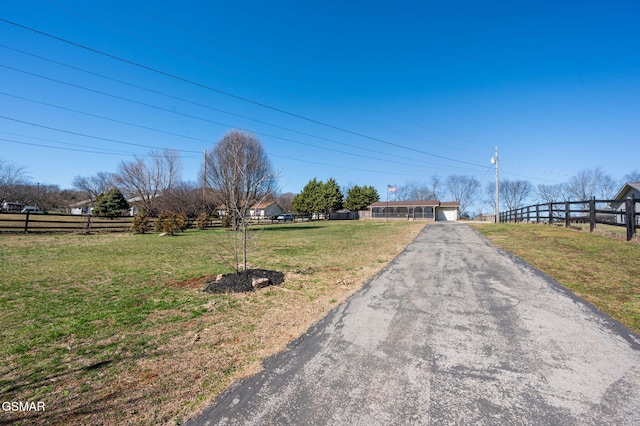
[[96, 185], [552, 193], [240, 173], [462, 189], [419, 190], [592, 183], [633, 176], [145, 180], [182, 197], [11, 175], [514, 193], [284, 201]]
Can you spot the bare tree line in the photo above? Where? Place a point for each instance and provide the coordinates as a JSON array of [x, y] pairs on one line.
[[155, 184], [513, 194]]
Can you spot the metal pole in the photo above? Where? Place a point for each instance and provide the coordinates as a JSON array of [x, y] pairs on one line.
[[387, 209]]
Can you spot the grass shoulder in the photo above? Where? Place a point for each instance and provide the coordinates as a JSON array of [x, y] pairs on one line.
[[598, 268]]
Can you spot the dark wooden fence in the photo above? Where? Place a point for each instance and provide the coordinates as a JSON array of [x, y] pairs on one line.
[[38, 222], [623, 213]]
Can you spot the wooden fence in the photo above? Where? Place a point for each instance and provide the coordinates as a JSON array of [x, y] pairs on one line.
[[623, 213], [12, 222], [38, 222]]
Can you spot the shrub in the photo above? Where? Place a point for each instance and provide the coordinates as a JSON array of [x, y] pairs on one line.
[[202, 221], [141, 224], [227, 220], [171, 222]]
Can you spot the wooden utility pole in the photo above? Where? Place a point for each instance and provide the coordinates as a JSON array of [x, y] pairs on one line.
[[494, 160], [204, 183]]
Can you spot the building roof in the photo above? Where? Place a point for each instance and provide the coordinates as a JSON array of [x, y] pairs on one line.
[[626, 188], [259, 206], [263, 205], [418, 203]]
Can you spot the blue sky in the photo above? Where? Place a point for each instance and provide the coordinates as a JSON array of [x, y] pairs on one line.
[[369, 93]]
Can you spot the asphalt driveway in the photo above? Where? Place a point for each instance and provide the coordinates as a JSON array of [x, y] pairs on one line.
[[454, 331]]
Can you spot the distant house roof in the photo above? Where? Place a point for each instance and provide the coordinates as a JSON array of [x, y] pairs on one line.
[[263, 205], [418, 203], [259, 206], [621, 195], [83, 203]]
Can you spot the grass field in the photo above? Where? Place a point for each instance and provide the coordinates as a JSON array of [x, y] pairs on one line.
[[114, 328], [599, 268]]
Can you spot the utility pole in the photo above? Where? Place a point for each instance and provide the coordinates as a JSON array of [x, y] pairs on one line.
[[204, 183], [494, 160]]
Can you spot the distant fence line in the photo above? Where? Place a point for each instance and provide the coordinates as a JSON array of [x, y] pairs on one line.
[[13, 222], [623, 213]]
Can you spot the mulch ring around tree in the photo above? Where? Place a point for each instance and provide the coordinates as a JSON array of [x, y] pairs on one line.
[[242, 281]]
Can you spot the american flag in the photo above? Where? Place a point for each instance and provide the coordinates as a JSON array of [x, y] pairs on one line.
[[392, 188]]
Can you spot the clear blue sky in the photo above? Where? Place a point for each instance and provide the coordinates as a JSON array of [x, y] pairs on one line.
[[370, 93]]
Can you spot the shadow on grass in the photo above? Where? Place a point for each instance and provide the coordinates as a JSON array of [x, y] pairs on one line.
[[280, 228]]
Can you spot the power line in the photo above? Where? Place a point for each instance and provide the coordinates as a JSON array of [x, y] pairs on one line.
[[183, 114], [231, 95], [87, 136], [103, 150], [176, 98], [60, 147], [103, 117], [278, 70]]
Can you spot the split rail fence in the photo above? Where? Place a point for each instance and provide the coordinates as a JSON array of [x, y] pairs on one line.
[[622, 213], [38, 222], [14, 222]]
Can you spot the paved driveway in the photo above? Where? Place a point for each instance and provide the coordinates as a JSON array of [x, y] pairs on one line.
[[453, 331]]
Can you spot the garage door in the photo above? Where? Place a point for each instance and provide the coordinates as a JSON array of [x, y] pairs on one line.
[[447, 214]]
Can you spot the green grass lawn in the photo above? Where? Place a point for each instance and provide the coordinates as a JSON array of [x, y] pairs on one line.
[[601, 269], [114, 327]]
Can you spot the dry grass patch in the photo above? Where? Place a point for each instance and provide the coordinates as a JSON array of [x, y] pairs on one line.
[[114, 329]]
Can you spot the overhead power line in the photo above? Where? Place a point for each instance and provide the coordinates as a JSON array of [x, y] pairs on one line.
[[234, 96], [386, 160], [369, 150], [88, 136]]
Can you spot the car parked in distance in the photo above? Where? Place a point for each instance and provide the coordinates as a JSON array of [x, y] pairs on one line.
[[285, 217], [31, 209]]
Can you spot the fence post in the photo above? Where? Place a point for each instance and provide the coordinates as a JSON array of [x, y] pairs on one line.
[[26, 223], [88, 226], [592, 214], [566, 214], [537, 213], [550, 213], [630, 209]]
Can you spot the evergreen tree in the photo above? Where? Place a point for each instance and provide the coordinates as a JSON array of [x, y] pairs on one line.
[[331, 197], [318, 197], [360, 197], [110, 204], [308, 201]]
